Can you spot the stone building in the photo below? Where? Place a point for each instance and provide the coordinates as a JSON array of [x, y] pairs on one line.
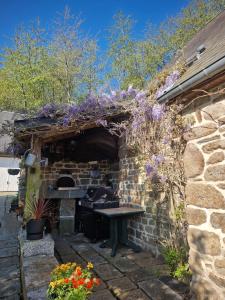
[[198, 89], [76, 152]]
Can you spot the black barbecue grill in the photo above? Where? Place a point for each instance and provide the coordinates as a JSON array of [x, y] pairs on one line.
[[93, 225]]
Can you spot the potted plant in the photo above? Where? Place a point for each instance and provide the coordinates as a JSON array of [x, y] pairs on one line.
[[14, 204], [35, 225], [70, 281]]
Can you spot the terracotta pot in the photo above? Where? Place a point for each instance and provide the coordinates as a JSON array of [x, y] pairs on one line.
[[35, 229]]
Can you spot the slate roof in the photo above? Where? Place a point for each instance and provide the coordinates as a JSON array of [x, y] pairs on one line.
[[212, 36], [200, 65]]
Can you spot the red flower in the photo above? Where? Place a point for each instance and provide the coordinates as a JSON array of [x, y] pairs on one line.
[[80, 281], [89, 285], [66, 280], [75, 284]]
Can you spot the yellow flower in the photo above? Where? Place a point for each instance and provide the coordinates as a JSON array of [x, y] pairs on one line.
[[53, 284], [90, 266]]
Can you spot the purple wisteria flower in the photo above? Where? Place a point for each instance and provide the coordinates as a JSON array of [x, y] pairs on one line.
[[102, 122], [140, 96], [123, 94], [158, 159], [149, 169], [131, 91], [47, 110], [66, 121], [158, 112], [170, 80]]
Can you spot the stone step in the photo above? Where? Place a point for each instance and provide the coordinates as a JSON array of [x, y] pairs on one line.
[[157, 290]]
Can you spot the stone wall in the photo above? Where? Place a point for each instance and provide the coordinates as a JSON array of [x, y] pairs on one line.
[[155, 224], [205, 191], [80, 173]]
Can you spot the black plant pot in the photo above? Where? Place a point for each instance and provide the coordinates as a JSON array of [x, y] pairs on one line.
[[35, 229]]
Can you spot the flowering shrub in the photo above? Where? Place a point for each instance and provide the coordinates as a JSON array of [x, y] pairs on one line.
[[71, 282]]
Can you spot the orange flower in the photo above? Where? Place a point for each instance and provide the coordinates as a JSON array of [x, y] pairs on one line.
[[80, 281], [78, 271], [66, 280], [89, 285], [75, 284]]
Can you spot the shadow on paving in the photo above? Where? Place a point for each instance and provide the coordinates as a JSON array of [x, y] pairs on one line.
[[10, 285], [127, 276]]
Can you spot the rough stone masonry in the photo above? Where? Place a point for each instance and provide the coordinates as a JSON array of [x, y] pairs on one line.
[[205, 190]]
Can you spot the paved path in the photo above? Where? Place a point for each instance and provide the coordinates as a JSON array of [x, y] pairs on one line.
[[10, 287], [127, 276]]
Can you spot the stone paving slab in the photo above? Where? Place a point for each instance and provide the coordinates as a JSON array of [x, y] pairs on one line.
[[125, 265], [62, 247], [134, 295], [96, 260], [139, 275], [102, 295], [118, 286], [11, 297], [78, 237], [73, 257], [9, 261], [85, 252], [107, 272], [158, 270], [144, 260], [157, 290], [105, 252], [8, 243], [7, 252], [38, 293], [36, 272], [9, 272], [10, 288], [9, 226]]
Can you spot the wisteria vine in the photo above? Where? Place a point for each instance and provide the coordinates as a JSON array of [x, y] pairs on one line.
[[155, 130]]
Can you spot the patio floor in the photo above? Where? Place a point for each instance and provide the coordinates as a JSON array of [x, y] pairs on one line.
[[126, 276], [10, 287]]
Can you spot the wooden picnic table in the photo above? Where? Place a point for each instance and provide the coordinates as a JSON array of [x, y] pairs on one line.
[[118, 227]]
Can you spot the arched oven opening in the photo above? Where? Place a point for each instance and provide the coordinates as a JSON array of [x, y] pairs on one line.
[[65, 182]]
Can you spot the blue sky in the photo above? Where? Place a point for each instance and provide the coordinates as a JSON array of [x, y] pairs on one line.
[[96, 13]]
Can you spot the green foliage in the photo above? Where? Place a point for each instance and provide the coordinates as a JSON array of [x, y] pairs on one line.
[[173, 257], [179, 212], [48, 67], [32, 190], [176, 259], [182, 273], [138, 61]]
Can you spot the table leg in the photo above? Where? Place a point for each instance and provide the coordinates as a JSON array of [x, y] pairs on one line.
[[124, 237], [114, 240], [114, 235]]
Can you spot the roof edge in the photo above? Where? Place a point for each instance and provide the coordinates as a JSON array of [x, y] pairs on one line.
[[201, 76]]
